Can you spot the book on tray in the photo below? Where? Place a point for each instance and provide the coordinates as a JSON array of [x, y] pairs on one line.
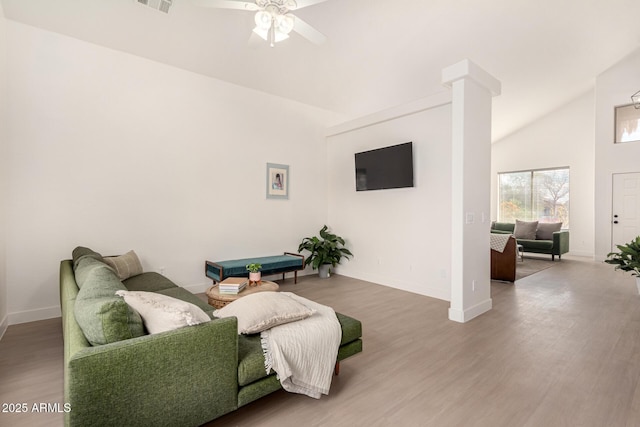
[[232, 285]]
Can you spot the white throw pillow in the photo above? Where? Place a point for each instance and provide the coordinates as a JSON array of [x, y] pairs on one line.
[[162, 313], [263, 310], [127, 265]]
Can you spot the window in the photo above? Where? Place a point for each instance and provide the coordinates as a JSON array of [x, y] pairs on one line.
[[627, 123], [535, 195]]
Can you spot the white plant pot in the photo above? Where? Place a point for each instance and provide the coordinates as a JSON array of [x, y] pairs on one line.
[[324, 271], [255, 277]]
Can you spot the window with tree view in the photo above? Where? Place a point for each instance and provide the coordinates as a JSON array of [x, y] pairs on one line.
[[535, 195]]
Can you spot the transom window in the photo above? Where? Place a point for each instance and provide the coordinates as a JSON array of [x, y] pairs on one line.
[[534, 195]]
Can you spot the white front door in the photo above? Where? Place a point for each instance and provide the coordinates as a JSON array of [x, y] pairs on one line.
[[625, 221]]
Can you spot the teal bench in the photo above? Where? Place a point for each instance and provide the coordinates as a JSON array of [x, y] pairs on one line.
[[220, 270]]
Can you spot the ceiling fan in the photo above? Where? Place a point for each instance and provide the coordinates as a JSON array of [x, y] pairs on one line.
[[273, 19]]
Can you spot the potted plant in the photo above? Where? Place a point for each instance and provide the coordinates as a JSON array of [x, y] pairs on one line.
[[254, 273], [628, 259], [326, 251]]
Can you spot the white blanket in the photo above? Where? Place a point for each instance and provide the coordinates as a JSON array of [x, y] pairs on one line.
[[499, 241], [303, 353]]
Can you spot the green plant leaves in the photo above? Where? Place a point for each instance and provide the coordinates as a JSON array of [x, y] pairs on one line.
[[254, 268], [324, 250], [628, 259]]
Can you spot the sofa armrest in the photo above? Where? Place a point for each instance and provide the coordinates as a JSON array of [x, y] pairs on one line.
[[183, 377], [560, 242]]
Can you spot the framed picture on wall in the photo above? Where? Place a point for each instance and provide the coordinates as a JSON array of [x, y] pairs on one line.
[[627, 119], [277, 181]]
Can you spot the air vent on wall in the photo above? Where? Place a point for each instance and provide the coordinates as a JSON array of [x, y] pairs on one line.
[[161, 5]]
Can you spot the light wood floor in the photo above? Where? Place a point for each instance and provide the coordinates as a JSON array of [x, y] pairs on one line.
[[559, 348]]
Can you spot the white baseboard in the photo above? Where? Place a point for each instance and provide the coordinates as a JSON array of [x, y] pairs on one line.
[[585, 254], [3, 326], [463, 316], [34, 315]]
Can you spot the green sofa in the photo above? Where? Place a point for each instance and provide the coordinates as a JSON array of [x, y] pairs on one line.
[[557, 246], [183, 377]]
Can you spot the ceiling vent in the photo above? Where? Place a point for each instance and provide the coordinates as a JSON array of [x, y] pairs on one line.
[[161, 5]]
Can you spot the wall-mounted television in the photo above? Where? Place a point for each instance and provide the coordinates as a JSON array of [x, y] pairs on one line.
[[383, 168]]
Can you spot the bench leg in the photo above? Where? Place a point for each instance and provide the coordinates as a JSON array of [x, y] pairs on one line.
[[295, 277], [336, 369]]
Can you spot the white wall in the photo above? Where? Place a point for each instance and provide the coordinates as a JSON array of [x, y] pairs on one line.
[[613, 87], [399, 237], [116, 152], [562, 138], [3, 174]]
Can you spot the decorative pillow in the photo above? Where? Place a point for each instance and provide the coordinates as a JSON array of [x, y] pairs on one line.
[[80, 252], [263, 310], [86, 265], [525, 230], [127, 265], [162, 313], [103, 316], [545, 230]]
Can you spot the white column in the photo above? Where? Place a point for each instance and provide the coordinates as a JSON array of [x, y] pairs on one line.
[[473, 89]]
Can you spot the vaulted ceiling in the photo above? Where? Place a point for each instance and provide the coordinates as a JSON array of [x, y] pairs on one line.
[[379, 53]]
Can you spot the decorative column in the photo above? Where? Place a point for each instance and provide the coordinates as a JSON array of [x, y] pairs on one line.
[[473, 89]]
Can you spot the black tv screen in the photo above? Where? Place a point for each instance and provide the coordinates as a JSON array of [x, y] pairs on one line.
[[388, 167]]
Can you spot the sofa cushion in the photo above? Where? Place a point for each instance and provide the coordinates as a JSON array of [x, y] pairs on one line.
[[102, 315], [502, 226], [525, 229], [161, 313], [263, 310], [250, 359], [127, 265], [545, 230], [149, 282], [351, 328], [536, 245]]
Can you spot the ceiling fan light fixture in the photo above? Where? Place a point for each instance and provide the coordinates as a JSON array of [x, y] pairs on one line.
[[278, 36], [263, 20], [284, 23], [636, 100], [273, 18], [264, 34], [271, 35]]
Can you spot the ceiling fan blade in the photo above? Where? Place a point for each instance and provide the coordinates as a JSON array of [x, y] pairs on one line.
[[308, 32], [305, 3], [226, 4]]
